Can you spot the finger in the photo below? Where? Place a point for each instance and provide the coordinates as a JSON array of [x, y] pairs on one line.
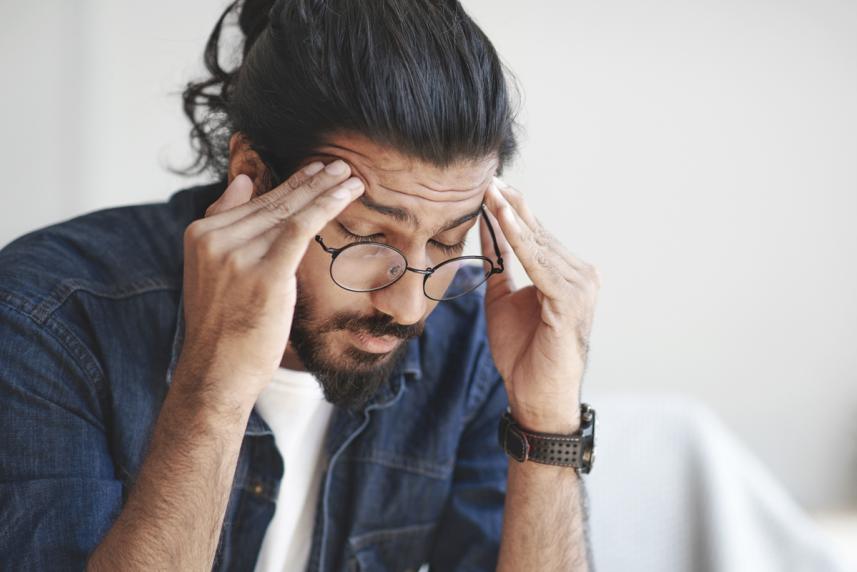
[[226, 203], [276, 214], [239, 191], [283, 246], [502, 241], [271, 209], [503, 283], [544, 267], [314, 178], [516, 199]]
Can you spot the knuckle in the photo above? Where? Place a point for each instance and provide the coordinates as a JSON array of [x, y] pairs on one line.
[[280, 210], [318, 182], [298, 226], [295, 181], [529, 237], [542, 258], [194, 231], [233, 262], [208, 246], [541, 236]]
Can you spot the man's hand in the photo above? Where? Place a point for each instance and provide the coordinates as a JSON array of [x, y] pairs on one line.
[[239, 277], [538, 334]]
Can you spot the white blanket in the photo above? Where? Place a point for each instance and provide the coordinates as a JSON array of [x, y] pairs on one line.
[[672, 490]]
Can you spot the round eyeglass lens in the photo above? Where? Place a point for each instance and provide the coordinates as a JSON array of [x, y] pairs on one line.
[[457, 277], [363, 267]]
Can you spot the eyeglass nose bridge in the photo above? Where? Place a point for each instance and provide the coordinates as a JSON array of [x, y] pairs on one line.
[[427, 272]]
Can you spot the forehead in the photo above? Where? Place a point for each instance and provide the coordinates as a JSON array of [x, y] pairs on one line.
[[430, 193]]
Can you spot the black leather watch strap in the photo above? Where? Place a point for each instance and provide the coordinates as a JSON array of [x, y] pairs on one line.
[[576, 450]]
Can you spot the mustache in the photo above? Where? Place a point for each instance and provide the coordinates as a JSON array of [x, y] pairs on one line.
[[378, 325]]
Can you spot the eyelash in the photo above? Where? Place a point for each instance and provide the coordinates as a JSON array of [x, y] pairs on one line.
[[449, 249]]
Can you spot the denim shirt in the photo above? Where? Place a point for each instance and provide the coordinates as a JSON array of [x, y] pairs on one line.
[[91, 326]]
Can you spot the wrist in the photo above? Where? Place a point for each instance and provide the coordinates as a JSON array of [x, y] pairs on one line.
[[201, 395], [544, 420], [561, 446]]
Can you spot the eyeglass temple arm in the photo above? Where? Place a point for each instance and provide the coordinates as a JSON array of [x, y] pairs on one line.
[[494, 240], [326, 248]]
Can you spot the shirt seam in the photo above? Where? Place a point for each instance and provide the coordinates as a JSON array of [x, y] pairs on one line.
[[44, 316], [70, 286], [70, 344]]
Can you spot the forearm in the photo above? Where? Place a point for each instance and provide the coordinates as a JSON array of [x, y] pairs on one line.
[[175, 510], [544, 519]]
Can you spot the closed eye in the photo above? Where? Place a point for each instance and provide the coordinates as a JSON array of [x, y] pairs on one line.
[[447, 249]]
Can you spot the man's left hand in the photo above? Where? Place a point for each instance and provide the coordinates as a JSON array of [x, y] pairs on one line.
[[539, 335]]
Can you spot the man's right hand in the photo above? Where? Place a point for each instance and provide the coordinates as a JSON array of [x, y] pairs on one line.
[[239, 278]]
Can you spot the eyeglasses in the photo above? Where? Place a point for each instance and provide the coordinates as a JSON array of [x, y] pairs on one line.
[[370, 266]]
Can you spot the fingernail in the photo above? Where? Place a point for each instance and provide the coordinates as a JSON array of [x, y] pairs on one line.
[[353, 183], [313, 168], [347, 189], [500, 182], [338, 167]]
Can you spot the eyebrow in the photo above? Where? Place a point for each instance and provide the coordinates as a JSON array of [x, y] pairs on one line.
[[403, 215]]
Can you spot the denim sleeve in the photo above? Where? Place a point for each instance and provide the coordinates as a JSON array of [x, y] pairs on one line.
[[468, 537], [58, 491]]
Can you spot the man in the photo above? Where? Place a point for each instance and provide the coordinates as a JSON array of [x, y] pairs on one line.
[[298, 372]]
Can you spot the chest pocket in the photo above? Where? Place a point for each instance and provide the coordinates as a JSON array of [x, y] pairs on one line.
[[404, 549]]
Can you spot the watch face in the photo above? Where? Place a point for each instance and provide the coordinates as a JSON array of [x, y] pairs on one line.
[[588, 442], [588, 460]]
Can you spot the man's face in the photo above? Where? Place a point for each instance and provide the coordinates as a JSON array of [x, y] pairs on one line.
[[352, 341]]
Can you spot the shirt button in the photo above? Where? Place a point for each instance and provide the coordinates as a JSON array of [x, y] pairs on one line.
[[257, 489]]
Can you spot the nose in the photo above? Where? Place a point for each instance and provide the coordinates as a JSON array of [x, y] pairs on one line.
[[404, 300]]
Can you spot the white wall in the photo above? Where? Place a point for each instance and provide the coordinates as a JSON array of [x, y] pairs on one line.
[[702, 154]]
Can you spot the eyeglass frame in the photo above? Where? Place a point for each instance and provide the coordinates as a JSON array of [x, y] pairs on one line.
[[427, 272]]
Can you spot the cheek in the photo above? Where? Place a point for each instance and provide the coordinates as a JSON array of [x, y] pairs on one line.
[[314, 269], [314, 276]]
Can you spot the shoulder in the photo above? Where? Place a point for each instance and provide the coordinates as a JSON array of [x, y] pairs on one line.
[[112, 252]]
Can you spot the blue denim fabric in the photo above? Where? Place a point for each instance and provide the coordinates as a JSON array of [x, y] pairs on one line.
[[90, 331]]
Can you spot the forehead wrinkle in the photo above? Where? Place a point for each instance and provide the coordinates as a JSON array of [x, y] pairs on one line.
[[457, 222], [404, 215], [489, 170], [427, 193], [399, 214]]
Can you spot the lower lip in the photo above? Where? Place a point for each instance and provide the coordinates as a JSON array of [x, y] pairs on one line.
[[372, 344]]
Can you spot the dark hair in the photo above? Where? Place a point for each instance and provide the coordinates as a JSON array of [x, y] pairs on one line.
[[418, 75]]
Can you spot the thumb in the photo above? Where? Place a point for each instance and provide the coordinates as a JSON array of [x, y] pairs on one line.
[[239, 191]]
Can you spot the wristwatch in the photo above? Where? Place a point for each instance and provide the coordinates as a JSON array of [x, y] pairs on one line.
[[576, 450]]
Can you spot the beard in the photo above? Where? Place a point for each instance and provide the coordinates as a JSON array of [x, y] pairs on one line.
[[350, 378]]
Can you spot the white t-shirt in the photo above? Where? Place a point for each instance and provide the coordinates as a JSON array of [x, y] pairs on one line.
[[294, 407]]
